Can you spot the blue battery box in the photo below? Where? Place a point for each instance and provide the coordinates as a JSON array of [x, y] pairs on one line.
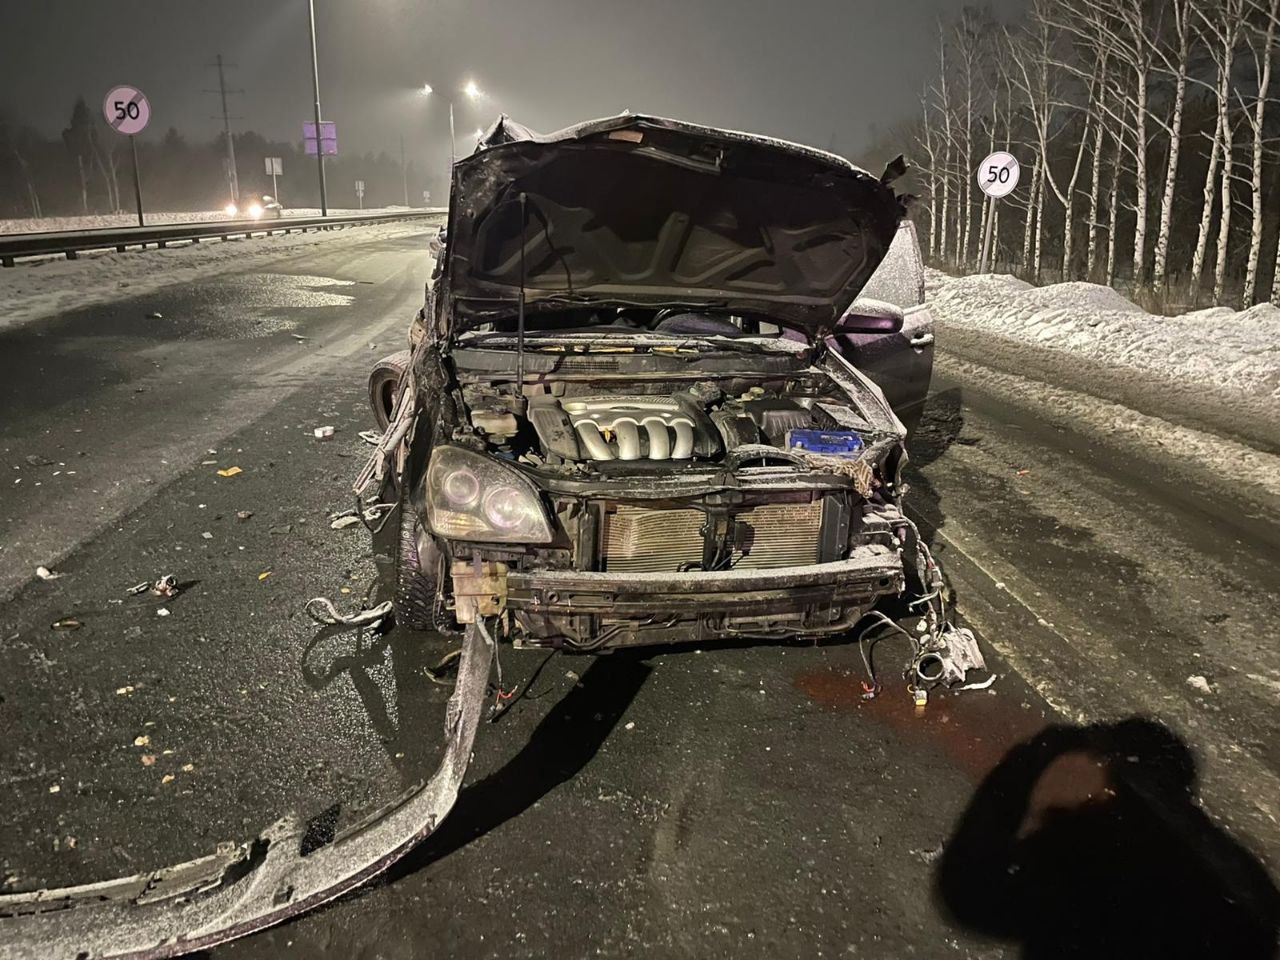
[[833, 443]]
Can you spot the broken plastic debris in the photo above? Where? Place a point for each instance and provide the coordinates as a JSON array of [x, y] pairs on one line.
[[148, 759], [298, 336], [264, 574], [981, 685], [343, 522], [1197, 682], [166, 586], [243, 515], [143, 740], [55, 789], [206, 535], [188, 767], [155, 315], [322, 610], [230, 472], [162, 611], [322, 433], [124, 691], [138, 588], [66, 623], [371, 437], [167, 778], [44, 573]]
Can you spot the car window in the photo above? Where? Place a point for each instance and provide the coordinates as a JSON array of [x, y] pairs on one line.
[[900, 277]]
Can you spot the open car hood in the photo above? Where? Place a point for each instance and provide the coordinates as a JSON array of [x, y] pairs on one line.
[[645, 211]]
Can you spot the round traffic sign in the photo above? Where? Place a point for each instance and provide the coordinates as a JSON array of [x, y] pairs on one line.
[[126, 109], [998, 174]]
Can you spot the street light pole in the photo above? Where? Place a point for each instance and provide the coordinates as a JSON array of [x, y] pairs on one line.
[[315, 81]]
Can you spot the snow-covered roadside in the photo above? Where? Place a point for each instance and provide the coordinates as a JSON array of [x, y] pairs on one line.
[[107, 220], [1216, 367], [31, 291], [1254, 472]]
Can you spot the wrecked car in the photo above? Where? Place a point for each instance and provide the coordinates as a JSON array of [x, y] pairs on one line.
[[640, 405], [643, 404]]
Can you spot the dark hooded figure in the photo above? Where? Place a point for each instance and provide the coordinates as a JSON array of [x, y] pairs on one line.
[[1088, 842]]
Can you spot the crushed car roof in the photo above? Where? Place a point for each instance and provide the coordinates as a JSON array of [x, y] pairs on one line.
[[646, 211]]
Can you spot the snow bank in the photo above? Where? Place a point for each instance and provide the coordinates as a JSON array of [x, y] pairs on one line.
[[103, 221], [1233, 354], [32, 290]]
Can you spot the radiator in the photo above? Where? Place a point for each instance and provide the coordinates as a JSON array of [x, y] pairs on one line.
[[638, 539]]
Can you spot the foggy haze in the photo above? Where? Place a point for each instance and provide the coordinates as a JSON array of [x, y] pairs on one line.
[[824, 72]]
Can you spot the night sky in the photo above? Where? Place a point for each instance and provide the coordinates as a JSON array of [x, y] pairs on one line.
[[826, 72]]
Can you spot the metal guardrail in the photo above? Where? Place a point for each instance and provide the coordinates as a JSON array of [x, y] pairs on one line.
[[70, 243]]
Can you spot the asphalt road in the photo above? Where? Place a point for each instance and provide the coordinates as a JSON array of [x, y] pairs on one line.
[[733, 800]]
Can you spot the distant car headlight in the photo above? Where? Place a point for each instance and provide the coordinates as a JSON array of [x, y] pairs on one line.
[[230, 209], [472, 497], [255, 210]]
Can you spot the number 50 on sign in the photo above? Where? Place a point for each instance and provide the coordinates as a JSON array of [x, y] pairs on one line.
[[998, 175]]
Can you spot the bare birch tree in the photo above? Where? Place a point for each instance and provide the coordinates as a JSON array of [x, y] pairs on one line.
[[1261, 49]]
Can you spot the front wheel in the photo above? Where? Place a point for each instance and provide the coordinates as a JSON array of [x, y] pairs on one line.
[[384, 386], [416, 575]]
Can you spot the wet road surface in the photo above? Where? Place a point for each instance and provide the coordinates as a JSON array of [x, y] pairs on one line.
[[740, 800]]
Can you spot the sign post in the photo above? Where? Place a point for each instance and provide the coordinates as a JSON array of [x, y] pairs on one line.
[[275, 168], [127, 111], [997, 177], [360, 193]]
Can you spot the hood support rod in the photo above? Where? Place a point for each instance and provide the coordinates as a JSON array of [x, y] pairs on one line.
[[524, 226]]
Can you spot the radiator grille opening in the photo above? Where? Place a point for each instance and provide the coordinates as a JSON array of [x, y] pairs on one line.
[[639, 539]]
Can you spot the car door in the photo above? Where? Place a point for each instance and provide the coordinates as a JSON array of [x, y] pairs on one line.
[[900, 363]]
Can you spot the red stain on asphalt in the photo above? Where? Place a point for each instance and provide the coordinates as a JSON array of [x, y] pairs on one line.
[[973, 730]]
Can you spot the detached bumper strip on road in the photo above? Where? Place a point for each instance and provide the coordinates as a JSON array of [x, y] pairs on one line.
[[246, 887]]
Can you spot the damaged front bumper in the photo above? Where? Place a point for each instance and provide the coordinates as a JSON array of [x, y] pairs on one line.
[[246, 887], [597, 609]]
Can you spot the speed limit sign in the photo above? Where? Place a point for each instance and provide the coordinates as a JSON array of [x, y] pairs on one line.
[[998, 175], [126, 109]]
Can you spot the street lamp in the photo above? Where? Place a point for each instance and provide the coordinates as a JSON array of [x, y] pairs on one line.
[[471, 90]]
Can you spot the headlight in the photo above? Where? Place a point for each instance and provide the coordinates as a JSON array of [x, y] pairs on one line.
[[471, 497], [230, 210], [255, 210]]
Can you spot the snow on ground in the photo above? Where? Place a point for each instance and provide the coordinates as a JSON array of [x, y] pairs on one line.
[[35, 289], [130, 219], [1229, 357]]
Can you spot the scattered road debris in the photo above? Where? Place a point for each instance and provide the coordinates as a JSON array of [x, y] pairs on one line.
[[229, 472], [44, 573], [206, 535], [35, 460], [263, 575], [322, 610], [162, 611], [166, 586], [981, 685], [298, 336], [1197, 682], [148, 759], [371, 437], [323, 433], [138, 588], [55, 789], [124, 691], [344, 521], [66, 623], [142, 741], [156, 315], [167, 778], [243, 515]]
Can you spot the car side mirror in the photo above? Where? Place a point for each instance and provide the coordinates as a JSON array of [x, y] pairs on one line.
[[435, 246], [871, 316]]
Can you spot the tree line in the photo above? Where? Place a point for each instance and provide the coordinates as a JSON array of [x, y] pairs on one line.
[[1146, 136], [88, 170]]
